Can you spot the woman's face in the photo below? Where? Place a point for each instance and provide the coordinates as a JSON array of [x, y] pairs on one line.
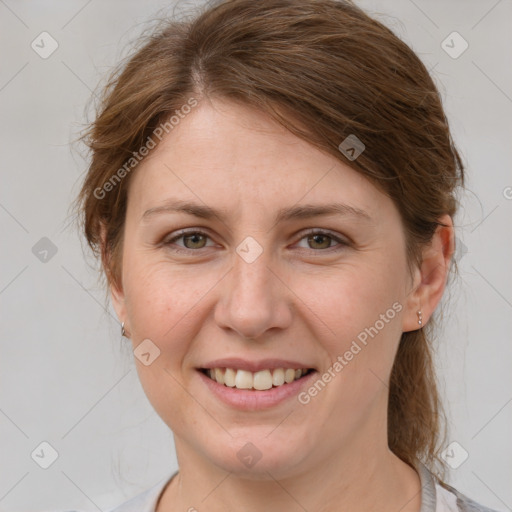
[[255, 284]]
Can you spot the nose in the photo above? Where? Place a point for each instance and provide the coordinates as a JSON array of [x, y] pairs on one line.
[[254, 299]]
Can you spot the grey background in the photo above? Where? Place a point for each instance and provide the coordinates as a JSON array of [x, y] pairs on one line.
[[67, 377]]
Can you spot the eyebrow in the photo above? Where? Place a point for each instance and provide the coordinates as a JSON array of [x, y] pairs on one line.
[[304, 211]]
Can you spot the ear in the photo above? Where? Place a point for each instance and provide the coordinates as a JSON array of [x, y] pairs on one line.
[[429, 280], [117, 298], [116, 289]]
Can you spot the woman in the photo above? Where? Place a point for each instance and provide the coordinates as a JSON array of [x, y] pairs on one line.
[[271, 191]]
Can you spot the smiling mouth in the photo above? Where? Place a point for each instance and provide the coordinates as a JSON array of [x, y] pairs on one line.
[[256, 381]]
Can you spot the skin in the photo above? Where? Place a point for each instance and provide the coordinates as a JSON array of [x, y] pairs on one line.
[[301, 298]]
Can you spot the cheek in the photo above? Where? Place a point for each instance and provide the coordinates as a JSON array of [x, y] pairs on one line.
[[165, 303], [356, 316], [160, 303], [159, 295], [351, 298], [356, 313]]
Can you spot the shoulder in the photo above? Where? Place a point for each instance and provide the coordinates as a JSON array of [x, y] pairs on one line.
[[437, 496], [450, 499], [145, 501]]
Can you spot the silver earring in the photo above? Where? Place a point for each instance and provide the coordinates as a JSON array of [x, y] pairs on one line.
[[123, 332], [420, 318]]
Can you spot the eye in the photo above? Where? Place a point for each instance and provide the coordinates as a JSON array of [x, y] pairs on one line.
[[191, 240], [317, 240], [194, 240]]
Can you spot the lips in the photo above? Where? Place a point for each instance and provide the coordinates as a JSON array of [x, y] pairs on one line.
[[251, 399]]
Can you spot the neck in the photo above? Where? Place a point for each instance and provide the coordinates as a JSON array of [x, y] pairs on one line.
[[357, 481]]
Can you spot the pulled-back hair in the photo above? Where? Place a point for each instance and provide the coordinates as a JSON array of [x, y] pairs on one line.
[[324, 70]]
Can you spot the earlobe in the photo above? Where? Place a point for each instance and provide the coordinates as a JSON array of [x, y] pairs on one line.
[[430, 279], [117, 298]]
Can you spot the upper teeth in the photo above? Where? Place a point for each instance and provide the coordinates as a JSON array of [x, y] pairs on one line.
[[264, 379]]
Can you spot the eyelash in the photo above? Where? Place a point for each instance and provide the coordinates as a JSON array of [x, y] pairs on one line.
[[312, 232]]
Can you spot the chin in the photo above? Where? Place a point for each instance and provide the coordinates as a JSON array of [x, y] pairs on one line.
[[255, 460]]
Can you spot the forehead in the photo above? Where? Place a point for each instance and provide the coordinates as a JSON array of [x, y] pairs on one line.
[[224, 154]]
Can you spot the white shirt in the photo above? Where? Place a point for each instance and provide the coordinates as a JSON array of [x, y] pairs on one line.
[[435, 497]]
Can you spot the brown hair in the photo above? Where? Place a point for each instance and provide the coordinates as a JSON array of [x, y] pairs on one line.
[[324, 70]]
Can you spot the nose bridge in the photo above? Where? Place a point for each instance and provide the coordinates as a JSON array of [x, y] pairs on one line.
[[253, 301], [251, 279]]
